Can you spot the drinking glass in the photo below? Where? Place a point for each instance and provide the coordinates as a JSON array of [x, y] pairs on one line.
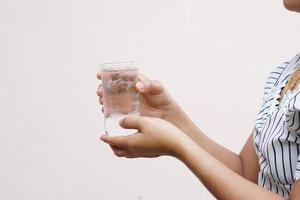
[[119, 95]]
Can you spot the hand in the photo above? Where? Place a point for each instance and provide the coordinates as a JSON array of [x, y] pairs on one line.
[[156, 137], [154, 99]]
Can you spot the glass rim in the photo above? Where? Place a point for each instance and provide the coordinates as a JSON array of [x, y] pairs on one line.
[[119, 65]]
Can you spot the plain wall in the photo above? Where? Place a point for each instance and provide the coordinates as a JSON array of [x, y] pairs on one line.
[[213, 56]]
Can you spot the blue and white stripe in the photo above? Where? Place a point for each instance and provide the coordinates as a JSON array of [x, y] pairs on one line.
[[277, 132]]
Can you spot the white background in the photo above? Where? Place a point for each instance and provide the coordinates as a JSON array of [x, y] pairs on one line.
[[213, 56]]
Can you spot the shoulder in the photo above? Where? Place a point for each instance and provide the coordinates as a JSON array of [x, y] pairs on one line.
[[279, 69], [275, 73], [272, 87], [278, 75], [272, 79]]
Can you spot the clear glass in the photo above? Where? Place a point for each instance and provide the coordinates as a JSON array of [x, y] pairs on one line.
[[119, 95]]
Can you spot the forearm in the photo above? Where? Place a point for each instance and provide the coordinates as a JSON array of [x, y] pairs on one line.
[[180, 119], [220, 180]]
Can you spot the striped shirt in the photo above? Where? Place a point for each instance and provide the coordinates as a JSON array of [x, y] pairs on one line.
[[276, 133]]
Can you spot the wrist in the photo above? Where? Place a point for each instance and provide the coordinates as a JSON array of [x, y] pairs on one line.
[[174, 114], [182, 144], [170, 110]]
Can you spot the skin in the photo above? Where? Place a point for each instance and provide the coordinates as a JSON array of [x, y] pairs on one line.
[[292, 5], [165, 129]]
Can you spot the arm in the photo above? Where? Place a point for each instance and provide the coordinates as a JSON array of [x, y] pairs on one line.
[[159, 137], [222, 182], [156, 102], [295, 193], [245, 164]]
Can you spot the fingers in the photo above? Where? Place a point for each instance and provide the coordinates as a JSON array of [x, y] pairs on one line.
[[132, 122], [142, 77], [99, 75], [120, 152], [155, 87], [144, 85], [101, 100], [149, 86], [100, 94], [116, 141], [99, 90]]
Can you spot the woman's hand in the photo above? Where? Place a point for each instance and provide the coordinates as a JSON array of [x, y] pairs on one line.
[[154, 99], [156, 137], [156, 102]]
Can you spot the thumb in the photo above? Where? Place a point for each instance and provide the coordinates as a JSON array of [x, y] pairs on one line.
[[131, 122], [151, 87]]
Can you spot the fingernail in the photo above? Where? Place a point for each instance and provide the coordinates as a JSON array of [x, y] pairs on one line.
[[140, 85]]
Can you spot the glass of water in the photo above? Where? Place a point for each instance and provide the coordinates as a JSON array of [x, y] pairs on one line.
[[119, 95]]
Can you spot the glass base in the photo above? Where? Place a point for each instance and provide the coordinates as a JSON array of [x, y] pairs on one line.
[[113, 128]]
